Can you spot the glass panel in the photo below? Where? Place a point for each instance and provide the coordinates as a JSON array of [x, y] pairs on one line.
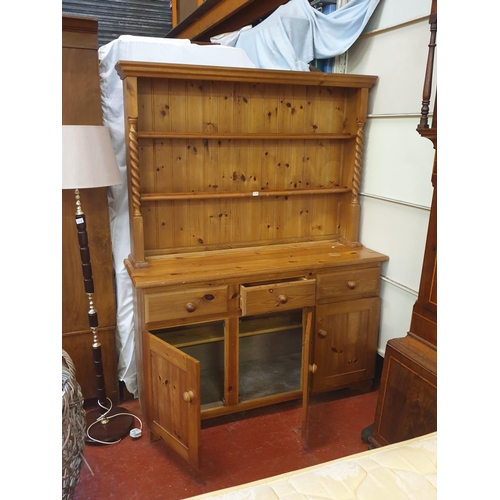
[[205, 343], [270, 354]]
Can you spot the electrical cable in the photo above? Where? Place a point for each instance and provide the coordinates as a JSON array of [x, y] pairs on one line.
[[134, 433]]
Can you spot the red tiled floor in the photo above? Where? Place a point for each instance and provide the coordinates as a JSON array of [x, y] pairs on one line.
[[235, 449]]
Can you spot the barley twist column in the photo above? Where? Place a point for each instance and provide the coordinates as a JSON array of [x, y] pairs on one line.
[[357, 163], [137, 225], [133, 144], [352, 233]]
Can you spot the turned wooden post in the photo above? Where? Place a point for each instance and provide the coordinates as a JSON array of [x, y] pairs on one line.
[[426, 94], [88, 282]]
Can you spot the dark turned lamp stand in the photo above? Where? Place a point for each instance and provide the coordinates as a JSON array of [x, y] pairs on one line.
[[108, 429], [88, 162]]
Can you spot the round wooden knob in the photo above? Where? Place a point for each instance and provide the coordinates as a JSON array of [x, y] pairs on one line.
[[313, 368], [282, 299], [351, 285], [322, 333], [190, 307], [188, 396]]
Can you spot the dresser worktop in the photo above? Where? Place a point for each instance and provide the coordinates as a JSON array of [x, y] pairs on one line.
[[186, 268]]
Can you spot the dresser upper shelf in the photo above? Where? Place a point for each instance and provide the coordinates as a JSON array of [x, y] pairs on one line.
[[222, 157]]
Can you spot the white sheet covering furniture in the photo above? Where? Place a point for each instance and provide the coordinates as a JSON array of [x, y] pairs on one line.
[[146, 49], [401, 471], [296, 33]]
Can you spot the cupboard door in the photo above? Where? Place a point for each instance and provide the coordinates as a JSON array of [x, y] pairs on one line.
[[204, 342], [175, 387], [345, 343], [308, 368]]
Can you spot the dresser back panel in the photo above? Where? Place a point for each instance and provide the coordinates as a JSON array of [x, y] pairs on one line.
[[241, 158]]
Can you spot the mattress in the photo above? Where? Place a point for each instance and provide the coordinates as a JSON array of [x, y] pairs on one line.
[[406, 470]]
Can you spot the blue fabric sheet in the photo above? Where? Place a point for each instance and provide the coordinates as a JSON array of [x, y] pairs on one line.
[[296, 33]]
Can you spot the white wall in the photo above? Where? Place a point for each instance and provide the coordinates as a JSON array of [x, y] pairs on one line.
[[396, 188]]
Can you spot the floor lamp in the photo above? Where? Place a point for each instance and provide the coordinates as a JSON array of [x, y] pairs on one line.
[[88, 161]]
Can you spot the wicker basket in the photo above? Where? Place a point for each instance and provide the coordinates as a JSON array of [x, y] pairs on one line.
[[73, 428]]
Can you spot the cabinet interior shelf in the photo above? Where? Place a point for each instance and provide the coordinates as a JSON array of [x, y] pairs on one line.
[[268, 323], [192, 335], [205, 334], [151, 197], [246, 136], [271, 330]]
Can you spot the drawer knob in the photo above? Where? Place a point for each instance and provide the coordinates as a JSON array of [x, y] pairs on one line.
[[351, 285], [323, 333], [282, 299], [190, 307], [313, 368], [188, 396]]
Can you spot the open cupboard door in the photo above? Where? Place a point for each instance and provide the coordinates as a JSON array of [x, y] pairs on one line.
[[175, 395], [308, 368]]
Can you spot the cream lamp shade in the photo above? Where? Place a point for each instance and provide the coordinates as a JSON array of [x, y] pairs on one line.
[[88, 158]]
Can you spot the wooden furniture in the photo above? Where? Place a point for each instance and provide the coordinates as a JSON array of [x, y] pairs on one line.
[[214, 17], [250, 285], [407, 403], [81, 105], [182, 8]]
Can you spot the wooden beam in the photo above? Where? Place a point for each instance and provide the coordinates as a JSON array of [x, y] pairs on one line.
[[220, 16]]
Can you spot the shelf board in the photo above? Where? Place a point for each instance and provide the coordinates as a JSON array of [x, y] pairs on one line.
[[191, 335], [247, 136], [177, 342], [271, 330], [179, 339], [151, 197], [252, 325]]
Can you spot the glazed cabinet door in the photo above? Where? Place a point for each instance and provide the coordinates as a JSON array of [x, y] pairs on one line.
[[175, 399], [308, 368], [345, 343], [270, 353]]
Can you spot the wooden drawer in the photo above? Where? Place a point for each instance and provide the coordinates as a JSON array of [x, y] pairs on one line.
[[183, 304], [270, 297], [348, 284]]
